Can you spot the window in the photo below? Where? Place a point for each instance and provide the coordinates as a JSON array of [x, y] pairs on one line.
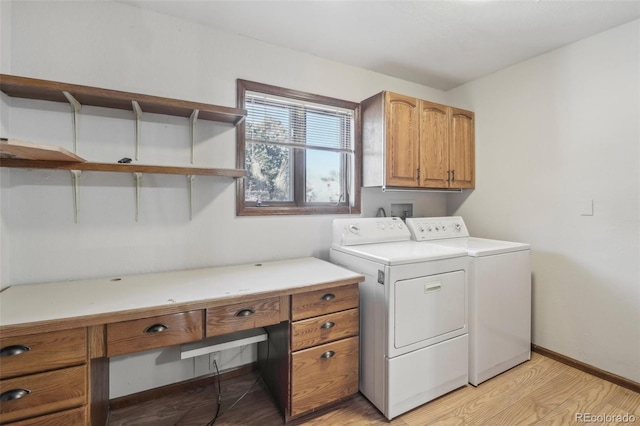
[[301, 152]]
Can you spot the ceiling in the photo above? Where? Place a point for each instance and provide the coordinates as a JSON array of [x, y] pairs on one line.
[[440, 44]]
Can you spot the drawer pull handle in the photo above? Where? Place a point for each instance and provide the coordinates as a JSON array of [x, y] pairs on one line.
[[156, 328], [245, 312], [14, 350], [328, 296], [328, 324], [12, 394], [328, 354]]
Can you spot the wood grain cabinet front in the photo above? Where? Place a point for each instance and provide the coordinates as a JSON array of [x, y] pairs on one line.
[[243, 316], [314, 303], [153, 332], [324, 348], [413, 143], [323, 374], [73, 417], [324, 329], [41, 352], [43, 378], [42, 393]]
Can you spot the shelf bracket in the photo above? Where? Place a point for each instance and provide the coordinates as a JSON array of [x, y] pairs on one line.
[[75, 178], [137, 111], [191, 179], [138, 178], [193, 119], [75, 107]]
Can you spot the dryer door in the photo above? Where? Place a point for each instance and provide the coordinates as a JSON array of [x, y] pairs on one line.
[[429, 309]]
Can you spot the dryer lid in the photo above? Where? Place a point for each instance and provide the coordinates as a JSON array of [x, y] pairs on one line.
[[477, 247], [401, 252]]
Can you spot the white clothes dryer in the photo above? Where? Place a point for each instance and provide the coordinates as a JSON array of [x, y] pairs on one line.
[[499, 294], [413, 312]]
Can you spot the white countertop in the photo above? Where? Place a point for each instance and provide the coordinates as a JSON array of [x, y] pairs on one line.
[[30, 303]]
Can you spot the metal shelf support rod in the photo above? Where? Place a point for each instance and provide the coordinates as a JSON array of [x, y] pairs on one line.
[[193, 119], [191, 180], [75, 107], [137, 111], [138, 178], [75, 178]]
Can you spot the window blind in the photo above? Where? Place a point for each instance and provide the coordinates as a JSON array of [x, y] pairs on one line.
[[298, 124]]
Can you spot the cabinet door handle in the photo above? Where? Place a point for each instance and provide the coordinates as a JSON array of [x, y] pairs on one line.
[[328, 324], [418, 172], [328, 296], [327, 355], [453, 175], [245, 312], [156, 328], [448, 175], [14, 350], [12, 394]]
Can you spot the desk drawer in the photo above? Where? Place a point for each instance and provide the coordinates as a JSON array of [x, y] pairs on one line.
[[75, 417], [42, 352], [324, 329], [45, 393], [314, 303], [154, 332], [243, 316], [323, 374]]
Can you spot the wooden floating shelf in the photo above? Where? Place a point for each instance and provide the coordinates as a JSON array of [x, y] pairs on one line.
[[121, 168], [31, 88], [11, 148]]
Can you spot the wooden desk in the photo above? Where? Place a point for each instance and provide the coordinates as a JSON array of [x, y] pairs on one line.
[[61, 334]]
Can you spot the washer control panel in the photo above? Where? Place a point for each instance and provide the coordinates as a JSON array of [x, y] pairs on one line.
[[436, 228], [354, 231]]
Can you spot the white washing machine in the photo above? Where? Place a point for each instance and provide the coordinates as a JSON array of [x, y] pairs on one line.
[[413, 312], [499, 294]]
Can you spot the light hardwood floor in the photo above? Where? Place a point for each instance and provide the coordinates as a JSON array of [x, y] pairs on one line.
[[539, 392]]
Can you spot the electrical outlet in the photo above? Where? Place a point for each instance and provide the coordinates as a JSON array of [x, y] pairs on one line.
[[215, 356]]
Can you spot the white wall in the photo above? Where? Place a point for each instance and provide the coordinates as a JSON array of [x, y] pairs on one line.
[[552, 134], [5, 59], [120, 47]]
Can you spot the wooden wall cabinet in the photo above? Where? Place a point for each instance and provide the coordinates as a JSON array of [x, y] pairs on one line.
[[413, 143]]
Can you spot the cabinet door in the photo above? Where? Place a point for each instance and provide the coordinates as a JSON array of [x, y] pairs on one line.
[[43, 393], [43, 351], [153, 332], [434, 145], [324, 374], [402, 134], [462, 149]]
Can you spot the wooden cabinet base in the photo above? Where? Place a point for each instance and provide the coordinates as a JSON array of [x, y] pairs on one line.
[[57, 371]]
